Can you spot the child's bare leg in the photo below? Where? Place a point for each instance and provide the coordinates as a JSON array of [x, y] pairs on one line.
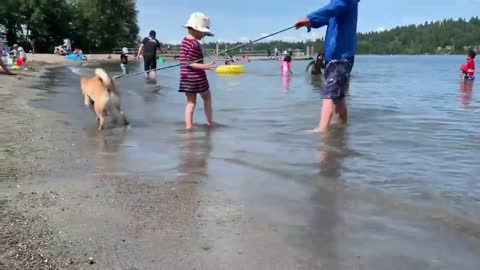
[[326, 116], [207, 101], [341, 111], [191, 102]]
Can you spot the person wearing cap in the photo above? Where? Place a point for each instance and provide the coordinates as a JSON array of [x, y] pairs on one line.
[[149, 48], [340, 44], [124, 60], [193, 79]]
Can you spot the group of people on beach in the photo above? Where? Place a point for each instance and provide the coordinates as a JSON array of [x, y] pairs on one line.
[[16, 54]]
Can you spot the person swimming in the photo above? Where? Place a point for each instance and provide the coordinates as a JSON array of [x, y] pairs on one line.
[[229, 60]]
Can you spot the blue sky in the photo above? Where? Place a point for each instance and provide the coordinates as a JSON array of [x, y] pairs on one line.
[[250, 19]]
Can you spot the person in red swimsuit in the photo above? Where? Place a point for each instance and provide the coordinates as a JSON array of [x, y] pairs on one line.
[[468, 69]]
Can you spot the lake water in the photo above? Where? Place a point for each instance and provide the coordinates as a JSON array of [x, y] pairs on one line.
[[399, 185]]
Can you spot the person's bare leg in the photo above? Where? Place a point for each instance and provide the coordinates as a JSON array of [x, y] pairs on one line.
[[341, 111], [153, 75], [147, 75], [207, 104], [189, 109], [326, 116]]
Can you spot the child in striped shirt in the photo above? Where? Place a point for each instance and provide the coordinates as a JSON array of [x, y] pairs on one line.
[[193, 79]]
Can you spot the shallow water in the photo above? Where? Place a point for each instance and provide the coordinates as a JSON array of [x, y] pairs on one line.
[[406, 169]]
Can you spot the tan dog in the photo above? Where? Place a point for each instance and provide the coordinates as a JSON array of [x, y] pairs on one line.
[[100, 91]]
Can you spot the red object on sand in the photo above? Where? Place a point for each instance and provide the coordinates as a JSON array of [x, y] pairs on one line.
[[464, 68], [19, 61]]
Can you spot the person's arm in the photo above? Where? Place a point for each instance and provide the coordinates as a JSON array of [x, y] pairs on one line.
[[470, 67], [192, 59], [140, 49], [309, 65], [159, 46], [321, 17], [200, 66]]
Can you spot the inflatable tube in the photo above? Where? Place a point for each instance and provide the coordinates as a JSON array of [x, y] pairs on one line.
[[73, 57], [230, 69], [161, 60]]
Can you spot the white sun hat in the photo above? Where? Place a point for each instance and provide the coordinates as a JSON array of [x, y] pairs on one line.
[[125, 50], [199, 22]]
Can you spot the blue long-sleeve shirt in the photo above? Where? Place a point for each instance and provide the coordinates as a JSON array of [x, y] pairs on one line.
[[341, 18]]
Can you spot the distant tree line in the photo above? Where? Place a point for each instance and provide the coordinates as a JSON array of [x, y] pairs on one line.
[[440, 37], [93, 25]]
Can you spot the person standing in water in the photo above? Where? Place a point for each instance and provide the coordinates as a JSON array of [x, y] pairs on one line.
[[193, 79], [468, 69], [286, 68], [148, 49], [340, 43], [317, 65]]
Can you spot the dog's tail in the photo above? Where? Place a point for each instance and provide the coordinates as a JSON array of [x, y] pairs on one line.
[[106, 80]]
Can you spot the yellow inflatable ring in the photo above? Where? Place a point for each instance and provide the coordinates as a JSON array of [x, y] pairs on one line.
[[230, 69]]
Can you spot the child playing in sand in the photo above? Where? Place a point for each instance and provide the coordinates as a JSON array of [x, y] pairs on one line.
[[124, 60], [468, 69], [286, 66], [193, 79]]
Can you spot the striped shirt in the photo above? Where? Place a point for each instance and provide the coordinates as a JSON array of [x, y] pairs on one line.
[[191, 80]]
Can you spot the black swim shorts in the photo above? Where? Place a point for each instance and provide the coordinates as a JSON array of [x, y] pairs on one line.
[[150, 62]]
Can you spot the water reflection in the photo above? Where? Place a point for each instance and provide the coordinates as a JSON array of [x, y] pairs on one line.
[[316, 81], [333, 149], [465, 92], [196, 150], [286, 83], [328, 203], [106, 145]]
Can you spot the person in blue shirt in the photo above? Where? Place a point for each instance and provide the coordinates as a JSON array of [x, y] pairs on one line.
[[340, 43]]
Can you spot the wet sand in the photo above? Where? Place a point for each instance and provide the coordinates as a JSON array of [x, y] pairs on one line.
[[68, 196]]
